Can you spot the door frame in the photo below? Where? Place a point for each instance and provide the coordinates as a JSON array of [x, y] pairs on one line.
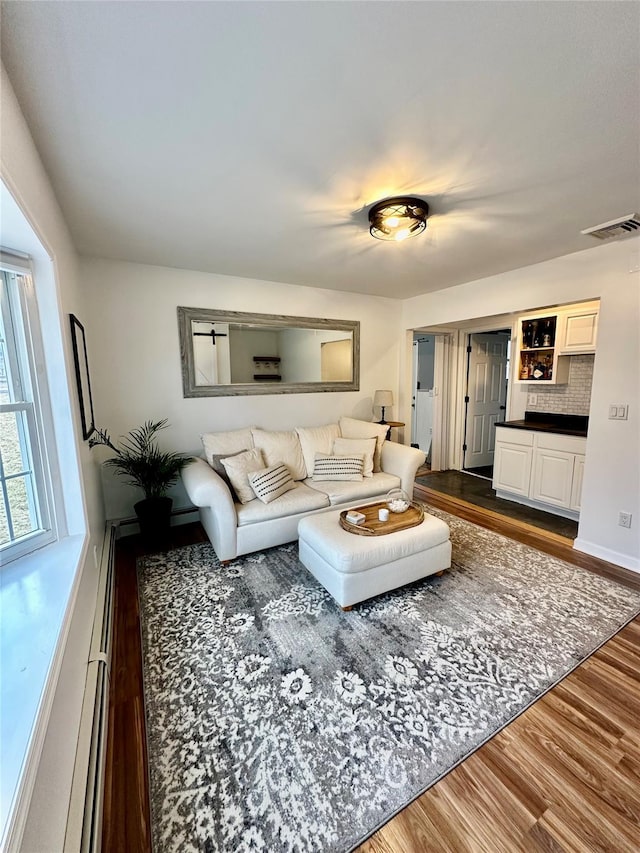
[[459, 380], [446, 341]]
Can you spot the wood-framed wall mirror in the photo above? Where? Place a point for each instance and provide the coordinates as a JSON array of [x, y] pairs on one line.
[[230, 353]]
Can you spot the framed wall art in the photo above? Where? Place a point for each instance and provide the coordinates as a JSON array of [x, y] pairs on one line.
[[82, 376]]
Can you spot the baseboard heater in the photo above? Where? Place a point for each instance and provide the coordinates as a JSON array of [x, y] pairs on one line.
[[84, 823]]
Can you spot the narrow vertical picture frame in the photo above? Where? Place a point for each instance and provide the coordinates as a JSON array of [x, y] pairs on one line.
[[82, 376]]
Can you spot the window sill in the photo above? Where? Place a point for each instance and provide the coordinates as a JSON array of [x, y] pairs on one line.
[[36, 592]]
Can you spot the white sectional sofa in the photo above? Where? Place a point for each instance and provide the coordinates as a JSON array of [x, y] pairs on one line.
[[235, 527]]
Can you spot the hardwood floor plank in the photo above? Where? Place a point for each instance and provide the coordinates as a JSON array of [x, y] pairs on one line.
[[592, 808]]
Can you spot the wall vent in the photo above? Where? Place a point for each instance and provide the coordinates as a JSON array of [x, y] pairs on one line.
[[623, 227]]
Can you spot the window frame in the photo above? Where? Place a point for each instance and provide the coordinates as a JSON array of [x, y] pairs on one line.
[[25, 354]]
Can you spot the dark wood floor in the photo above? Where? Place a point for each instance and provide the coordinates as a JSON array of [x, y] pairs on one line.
[[564, 776], [479, 492]]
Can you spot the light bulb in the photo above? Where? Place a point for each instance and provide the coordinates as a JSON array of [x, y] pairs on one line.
[[402, 234], [392, 221]]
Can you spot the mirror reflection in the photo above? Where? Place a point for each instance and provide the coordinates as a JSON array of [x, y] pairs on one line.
[[225, 353]]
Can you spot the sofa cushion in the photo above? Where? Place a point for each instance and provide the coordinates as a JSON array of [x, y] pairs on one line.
[[316, 440], [271, 483], [365, 446], [215, 460], [281, 447], [352, 428], [226, 443], [338, 468], [299, 500], [369, 487], [238, 468]]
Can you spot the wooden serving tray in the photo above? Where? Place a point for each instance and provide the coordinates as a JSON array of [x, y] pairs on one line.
[[372, 526]]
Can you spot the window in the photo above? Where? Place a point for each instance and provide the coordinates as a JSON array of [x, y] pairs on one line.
[[26, 507]]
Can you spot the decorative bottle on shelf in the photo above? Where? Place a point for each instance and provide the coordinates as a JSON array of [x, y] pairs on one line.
[[538, 370], [527, 332], [535, 337], [524, 367]]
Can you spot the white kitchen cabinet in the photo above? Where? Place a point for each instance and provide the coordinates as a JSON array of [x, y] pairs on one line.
[[538, 357], [512, 468], [552, 477], [576, 491], [578, 330], [540, 469]]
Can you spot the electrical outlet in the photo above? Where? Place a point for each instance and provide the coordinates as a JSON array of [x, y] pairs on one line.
[[624, 519], [533, 399]]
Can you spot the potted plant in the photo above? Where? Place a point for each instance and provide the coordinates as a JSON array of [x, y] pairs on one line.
[[139, 458]]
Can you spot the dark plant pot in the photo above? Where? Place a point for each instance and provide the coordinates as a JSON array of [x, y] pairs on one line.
[[154, 517]]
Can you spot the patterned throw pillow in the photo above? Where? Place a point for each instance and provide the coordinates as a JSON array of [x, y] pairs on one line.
[[271, 482], [346, 468], [237, 468]]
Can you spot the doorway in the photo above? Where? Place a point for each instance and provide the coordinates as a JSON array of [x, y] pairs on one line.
[[485, 398], [430, 396]]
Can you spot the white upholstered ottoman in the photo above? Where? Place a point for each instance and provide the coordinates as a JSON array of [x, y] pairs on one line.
[[353, 568]]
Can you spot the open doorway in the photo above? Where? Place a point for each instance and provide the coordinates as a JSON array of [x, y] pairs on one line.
[[485, 398], [430, 397]]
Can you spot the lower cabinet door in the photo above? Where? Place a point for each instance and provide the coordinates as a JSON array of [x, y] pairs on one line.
[[576, 490], [552, 477], [512, 468]]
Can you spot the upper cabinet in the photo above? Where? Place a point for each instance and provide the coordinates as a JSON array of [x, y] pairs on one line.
[[579, 329], [538, 357], [546, 339]]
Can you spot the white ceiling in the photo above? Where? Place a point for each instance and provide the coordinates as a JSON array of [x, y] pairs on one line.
[[249, 138]]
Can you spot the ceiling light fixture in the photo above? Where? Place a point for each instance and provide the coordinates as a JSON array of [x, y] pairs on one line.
[[398, 218]]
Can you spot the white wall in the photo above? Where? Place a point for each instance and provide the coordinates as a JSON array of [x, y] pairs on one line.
[[24, 175], [135, 367], [612, 479], [302, 353]]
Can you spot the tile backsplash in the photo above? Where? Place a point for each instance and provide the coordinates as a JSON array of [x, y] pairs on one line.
[[571, 399]]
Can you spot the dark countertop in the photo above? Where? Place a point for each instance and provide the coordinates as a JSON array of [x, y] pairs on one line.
[[550, 422]]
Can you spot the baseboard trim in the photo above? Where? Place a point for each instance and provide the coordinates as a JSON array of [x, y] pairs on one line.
[[181, 515], [615, 557]]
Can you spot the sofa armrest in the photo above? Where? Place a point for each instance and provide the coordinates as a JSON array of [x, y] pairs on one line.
[[205, 487], [402, 461], [208, 491]]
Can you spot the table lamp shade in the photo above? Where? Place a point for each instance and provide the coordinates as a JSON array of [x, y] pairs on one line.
[[383, 398]]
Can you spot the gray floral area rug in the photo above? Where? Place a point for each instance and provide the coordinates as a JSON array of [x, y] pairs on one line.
[[276, 722]]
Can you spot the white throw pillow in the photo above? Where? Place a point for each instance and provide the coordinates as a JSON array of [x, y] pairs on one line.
[[226, 443], [239, 467], [271, 482], [365, 447], [340, 468], [281, 447], [316, 440], [352, 428]]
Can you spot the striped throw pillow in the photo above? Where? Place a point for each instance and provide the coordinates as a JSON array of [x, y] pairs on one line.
[[271, 482], [347, 468]]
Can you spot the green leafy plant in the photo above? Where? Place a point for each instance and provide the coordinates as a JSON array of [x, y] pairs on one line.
[[140, 460]]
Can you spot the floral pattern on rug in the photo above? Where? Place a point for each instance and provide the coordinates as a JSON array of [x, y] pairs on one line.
[[277, 722]]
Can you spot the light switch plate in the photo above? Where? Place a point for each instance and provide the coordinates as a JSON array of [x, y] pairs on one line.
[[618, 412]]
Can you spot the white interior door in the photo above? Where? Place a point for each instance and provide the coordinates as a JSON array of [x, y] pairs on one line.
[[487, 392]]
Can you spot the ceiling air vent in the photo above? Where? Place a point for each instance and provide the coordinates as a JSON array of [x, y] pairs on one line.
[[623, 227]]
